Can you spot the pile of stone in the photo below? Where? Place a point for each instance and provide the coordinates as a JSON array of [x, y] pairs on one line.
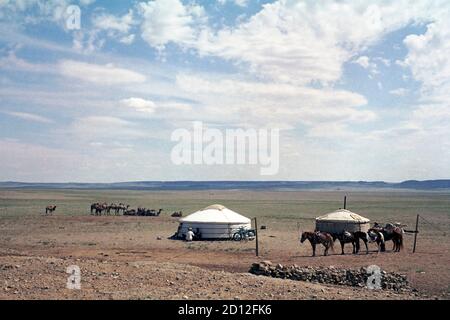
[[331, 275]]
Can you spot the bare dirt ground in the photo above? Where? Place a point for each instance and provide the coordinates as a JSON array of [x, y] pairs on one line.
[[133, 257], [121, 258]]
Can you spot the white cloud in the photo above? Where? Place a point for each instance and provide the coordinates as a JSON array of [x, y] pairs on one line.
[[139, 104], [363, 61], [385, 61], [169, 21], [148, 106], [29, 116], [429, 56], [240, 3], [246, 103], [399, 92], [87, 42], [307, 41], [12, 62], [128, 39], [298, 42], [37, 11], [99, 74], [330, 130], [110, 22], [86, 2]]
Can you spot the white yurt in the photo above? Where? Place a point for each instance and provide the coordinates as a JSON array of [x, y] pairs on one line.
[[214, 222], [342, 220]]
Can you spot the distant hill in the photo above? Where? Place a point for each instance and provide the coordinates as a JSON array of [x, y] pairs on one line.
[[239, 185]]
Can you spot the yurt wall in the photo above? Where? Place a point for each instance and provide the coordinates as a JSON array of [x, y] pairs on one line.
[[213, 230], [341, 226]]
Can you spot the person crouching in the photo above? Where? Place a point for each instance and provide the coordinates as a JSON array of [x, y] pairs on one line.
[[190, 235]]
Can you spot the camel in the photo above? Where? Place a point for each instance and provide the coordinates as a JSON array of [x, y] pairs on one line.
[[99, 208], [122, 207], [112, 206], [93, 207], [131, 212], [177, 214], [50, 209], [153, 213]]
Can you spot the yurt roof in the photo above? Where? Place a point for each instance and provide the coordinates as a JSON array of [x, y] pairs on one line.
[[343, 215], [215, 214]]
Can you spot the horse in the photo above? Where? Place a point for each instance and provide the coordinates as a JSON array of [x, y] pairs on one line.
[[388, 233], [377, 236], [353, 238], [396, 235], [50, 209], [316, 237]]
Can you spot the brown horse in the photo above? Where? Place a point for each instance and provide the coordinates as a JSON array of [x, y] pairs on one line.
[[318, 237], [353, 238], [50, 209], [396, 235]]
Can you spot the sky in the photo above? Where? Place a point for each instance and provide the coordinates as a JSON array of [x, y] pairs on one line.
[[360, 90]]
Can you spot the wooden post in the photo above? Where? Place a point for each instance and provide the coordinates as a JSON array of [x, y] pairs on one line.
[[345, 202], [256, 240], [415, 233]]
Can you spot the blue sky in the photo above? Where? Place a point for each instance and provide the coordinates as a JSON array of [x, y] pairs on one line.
[[360, 91]]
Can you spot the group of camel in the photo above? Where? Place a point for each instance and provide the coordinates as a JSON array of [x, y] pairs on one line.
[[99, 209], [143, 212], [377, 234]]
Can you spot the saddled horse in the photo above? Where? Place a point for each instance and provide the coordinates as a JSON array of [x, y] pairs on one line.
[[377, 236], [50, 209], [388, 233], [353, 238], [318, 237]]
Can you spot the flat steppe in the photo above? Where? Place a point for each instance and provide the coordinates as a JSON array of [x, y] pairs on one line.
[[133, 258]]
